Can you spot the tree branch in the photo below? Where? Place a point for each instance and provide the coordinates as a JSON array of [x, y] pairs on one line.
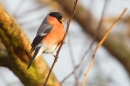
[[86, 52], [18, 46], [99, 44], [113, 43]]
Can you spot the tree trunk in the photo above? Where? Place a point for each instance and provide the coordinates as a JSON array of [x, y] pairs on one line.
[[15, 54]]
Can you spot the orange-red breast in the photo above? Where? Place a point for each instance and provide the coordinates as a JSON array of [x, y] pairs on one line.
[[49, 35]]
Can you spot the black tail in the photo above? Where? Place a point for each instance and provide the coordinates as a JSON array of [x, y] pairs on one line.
[[32, 59]]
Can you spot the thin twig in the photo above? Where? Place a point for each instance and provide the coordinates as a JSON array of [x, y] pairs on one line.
[[98, 28], [99, 44], [17, 9], [95, 36], [55, 60], [72, 59]]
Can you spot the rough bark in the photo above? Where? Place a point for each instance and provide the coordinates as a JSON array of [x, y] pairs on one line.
[[15, 53], [114, 43]]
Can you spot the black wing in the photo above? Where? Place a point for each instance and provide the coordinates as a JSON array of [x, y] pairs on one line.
[[36, 40], [44, 31]]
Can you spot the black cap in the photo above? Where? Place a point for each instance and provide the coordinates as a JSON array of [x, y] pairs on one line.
[[57, 15]]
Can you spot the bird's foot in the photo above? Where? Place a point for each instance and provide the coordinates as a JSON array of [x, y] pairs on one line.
[[64, 42], [55, 56]]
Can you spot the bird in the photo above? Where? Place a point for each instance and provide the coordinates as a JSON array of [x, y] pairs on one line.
[[49, 36]]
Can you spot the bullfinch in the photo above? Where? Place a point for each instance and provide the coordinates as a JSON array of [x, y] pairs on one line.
[[49, 35]]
